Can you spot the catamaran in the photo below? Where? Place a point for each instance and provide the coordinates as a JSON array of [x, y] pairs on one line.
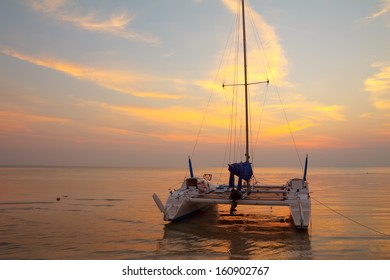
[[198, 193]]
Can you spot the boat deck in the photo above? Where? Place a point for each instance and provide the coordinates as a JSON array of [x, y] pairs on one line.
[[259, 195], [295, 194]]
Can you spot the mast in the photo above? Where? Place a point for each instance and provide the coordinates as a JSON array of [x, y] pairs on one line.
[[246, 86], [244, 169]]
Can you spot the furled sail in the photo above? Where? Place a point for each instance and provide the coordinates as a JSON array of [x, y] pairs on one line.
[[242, 170]]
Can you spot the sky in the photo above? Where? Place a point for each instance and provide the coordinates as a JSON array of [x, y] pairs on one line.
[[138, 83]]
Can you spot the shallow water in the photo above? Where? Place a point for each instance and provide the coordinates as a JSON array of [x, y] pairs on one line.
[[108, 213]]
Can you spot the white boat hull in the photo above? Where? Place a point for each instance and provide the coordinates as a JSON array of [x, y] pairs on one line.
[[300, 204], [179, 204], [198, 194], [178, 208]]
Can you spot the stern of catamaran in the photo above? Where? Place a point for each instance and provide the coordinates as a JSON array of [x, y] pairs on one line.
[[300, 204]]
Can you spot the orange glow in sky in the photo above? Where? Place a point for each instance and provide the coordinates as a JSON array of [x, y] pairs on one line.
[[128, 84]]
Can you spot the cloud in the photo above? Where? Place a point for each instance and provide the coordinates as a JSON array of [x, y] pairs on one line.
[[176, 123], [378, 86], [20, 122], [304, 115], [116, 24], [384, 10], [306, 120], [122, 82], [264, 48], [301, 107], [47, 6], [180, 122]]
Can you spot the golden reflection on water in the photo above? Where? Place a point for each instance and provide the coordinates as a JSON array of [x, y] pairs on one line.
[[108, 213], [250, 235]]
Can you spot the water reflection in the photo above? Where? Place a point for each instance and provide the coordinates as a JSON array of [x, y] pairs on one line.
[[214, 234]]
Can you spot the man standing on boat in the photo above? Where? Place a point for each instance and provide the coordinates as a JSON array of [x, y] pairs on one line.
[[234, 196]]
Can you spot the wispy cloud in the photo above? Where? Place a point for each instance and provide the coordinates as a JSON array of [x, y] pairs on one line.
[[314, 110], [268, 51], [115, 24], [385, 8], [379, 86], [155, 114], [178, 122], [304, 114], [162, 121], [20, 122], [122, 82]]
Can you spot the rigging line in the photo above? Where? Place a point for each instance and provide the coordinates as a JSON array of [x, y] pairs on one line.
[[250, 125], [174, 185], [231, 48], [350, 219], [235, 90], [202, 122], [261, 116], [233, 104], [255, 134], [277, 90], [224, 156], [256, 36], [241, 136], [261, 59], [211, 94], [284, 112], [232, 127], [289, 127]]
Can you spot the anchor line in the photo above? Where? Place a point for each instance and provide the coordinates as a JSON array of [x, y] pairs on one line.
[[350, 219]]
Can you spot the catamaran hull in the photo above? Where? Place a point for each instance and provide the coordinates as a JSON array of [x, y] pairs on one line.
[[178, 207], [185, 210], [300, 213], [198, 194], [300, 203]]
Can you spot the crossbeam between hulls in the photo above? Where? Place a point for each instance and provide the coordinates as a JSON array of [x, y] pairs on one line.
[[241, 201], [270, 186], [271, 191]]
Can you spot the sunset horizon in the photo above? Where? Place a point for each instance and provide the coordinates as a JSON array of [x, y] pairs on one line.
[[132, 84]]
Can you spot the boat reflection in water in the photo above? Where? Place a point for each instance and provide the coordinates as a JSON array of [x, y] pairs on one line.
[[254, 233]]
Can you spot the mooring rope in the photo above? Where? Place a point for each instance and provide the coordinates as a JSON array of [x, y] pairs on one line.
[[350, 219]]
